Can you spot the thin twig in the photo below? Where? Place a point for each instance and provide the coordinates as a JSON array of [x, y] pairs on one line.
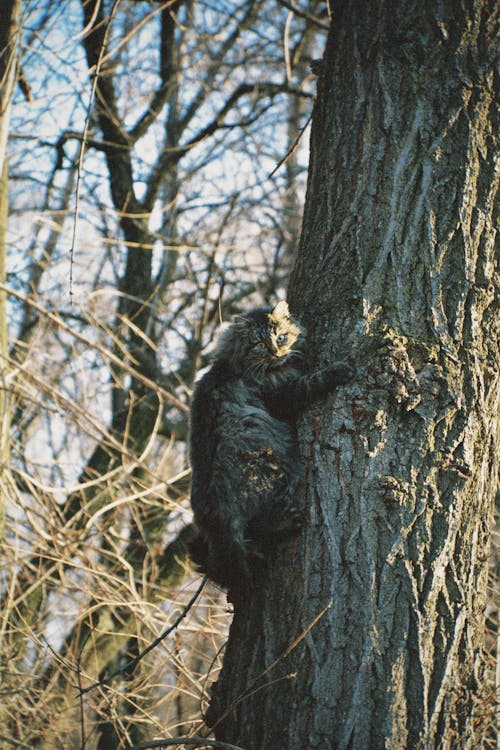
[[304, 14], [209, 671], [82, 712], [292, 148], [133, 662], [193, 741], [106, 353]]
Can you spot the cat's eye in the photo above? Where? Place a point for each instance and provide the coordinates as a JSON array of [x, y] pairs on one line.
[[281, 339]]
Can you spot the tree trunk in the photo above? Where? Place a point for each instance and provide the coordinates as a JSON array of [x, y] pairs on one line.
[[367, 631]]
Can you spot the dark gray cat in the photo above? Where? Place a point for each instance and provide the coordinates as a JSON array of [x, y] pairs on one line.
[[246, 467]]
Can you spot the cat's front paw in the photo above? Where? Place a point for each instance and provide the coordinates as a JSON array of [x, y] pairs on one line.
[[340, 373], [291, 523]]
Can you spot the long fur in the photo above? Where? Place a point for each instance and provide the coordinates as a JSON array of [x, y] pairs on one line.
[[246, 467]]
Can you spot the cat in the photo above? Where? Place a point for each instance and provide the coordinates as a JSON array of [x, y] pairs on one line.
[[246, 467]]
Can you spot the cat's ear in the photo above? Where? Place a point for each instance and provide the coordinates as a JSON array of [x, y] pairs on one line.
[[280, 311]]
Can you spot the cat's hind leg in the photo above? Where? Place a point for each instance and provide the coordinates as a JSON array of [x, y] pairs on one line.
[[281, 516]]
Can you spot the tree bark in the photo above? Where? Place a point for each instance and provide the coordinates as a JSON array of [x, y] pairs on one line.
[[367, 631]]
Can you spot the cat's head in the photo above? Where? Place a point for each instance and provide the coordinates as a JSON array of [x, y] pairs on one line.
[[261, 341]]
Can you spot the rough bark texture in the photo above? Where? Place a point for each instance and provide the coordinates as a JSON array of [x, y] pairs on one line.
[[397, 265]]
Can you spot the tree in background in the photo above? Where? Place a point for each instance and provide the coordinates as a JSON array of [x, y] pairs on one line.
[[8, 64], [133, 232], [369, 630]]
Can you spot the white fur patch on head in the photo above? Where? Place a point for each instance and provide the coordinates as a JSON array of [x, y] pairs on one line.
[[280, 311]]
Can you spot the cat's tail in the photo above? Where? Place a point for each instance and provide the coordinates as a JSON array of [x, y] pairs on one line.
[[198, 549]]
